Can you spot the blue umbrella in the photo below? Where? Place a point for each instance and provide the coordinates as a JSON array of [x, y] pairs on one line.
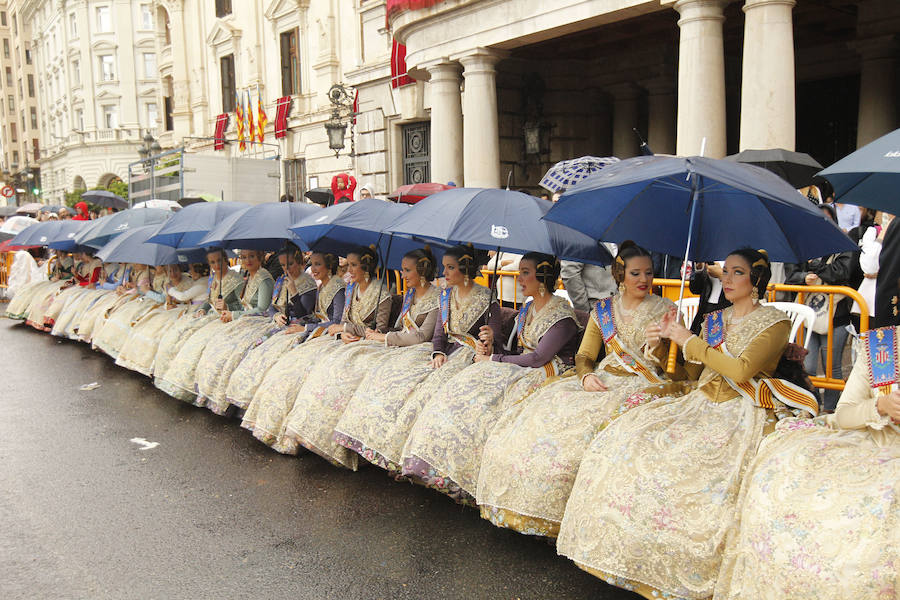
[[870, 176], [493, 219], [567, 173], [260, 227], [42, 234], [133, 247], [341, 228], [104, 198], [712, 206], [98, 233], [191, 224]]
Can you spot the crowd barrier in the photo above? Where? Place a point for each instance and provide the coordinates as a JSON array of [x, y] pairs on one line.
[[6, 259]]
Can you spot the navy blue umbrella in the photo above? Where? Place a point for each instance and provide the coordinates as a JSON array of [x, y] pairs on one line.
[[711, 206], [494, 219], [101, 230], [870, 176], [104, 198], [42, 234], [260, 227], [341, 228], [134, 247], [191, 224]]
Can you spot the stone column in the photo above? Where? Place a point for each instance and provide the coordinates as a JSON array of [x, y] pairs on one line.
[[878, 113], [181, 89], [661, 114], [701, 78], [481, 129], [625, 119], [446, 123], [767, 91]]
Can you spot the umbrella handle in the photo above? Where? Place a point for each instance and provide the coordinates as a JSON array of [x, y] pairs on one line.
[[673, 354]]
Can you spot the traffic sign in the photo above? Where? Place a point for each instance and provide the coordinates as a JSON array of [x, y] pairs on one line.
[[7, 191]]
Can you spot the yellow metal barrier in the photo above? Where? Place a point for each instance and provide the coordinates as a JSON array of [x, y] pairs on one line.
[[6, 260]]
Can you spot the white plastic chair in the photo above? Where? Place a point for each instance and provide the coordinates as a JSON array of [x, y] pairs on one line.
[[689, 308], [800, 314]]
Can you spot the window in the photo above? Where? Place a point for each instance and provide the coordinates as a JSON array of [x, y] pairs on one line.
[[34, 124], [110, 116], [167, 107], [30, 85], [3, 18], [13, 136], [104, 22], [76, 72], [107, 68], [290, 63], [5, 48], [23, 123], [146, 17], [152, 114], [226, 71], [36, 146], [294, 178], [20, 88], [27, 55], [149, 65], [73, 25], [15, 160], [79, 118], [223, 8], [11, 104], [9, 77]]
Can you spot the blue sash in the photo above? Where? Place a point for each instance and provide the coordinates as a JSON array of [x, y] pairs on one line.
[[209, 283], [604, 314], [407, 301], [445, 308], [277, 289], [715, 328], [881, 353], [348, 299], [523, 314]]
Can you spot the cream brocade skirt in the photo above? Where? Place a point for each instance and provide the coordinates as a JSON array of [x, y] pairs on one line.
[[18, 306], [533, 453], [323, 396], [52, 305], [268, 411], [170, 368], [70, 316], [818, 518], [253, 368], [139, 350], [221, 357], [173, 340], [94, 316], [451, 429], [115, 332], [656, 493]]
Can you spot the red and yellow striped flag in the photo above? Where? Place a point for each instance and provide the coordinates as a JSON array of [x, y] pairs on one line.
[[261, 118], [239, 121], [251, 135]]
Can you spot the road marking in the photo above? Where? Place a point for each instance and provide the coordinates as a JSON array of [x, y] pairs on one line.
[[146, 445]]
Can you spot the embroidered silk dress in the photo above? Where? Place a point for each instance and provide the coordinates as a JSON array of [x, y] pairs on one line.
[[444, 446], [326, 389], [59, 275], [819, 511], [118, 326], [532, 456], [656, 490], [253, 368]]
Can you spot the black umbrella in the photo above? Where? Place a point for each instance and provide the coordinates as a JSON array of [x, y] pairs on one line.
[[797, 168], [104, 198], [320, 195]]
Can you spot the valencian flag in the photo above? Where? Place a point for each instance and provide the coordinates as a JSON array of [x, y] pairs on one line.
[[239, 121], [261, 117], [251, 129]]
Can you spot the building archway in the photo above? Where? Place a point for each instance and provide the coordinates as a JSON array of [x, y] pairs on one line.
[[107, 179], [78, 183]]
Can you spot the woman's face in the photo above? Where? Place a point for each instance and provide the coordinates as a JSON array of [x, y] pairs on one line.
[[290, 265], [317, 265], [528, 281], [452, 274], [216, 262], [354, 268], [410, 275], [736, 281], [194, 272], [174, 272], [250, 260], [638, 277]]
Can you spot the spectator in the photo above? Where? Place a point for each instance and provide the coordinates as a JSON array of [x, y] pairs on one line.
[[705, 282], [507, 290], [83, 214], [868, 266], [64, 214], [365, 192], [544, 196], [848, 216], [342, 187], [886, 285], [586, 284]]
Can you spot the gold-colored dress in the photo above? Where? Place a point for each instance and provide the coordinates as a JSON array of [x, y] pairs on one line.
[[115, 331], [656, 491], [532, 455], [447, 440], [253, 368], [819, 511], [323, 395]]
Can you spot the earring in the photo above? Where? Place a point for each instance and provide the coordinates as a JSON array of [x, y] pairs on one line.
[[422, 282], [367, 278], [466, 281], [622, 289], [754, 295], [542, 290]]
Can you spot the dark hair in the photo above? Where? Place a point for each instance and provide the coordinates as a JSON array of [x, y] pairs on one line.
[[627, 251], [292, 250], [546, 268], [829, 208], [219, 251], [330, 260], [760, 268], [425, 265], [201, 268], [469, 259], [368, 259]]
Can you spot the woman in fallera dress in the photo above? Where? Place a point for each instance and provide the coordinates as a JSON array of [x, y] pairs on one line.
[[818, 513], [445, 445], [173, 338], [106, 300], [293, 295], [85, 275], [61, 272], [115, 331], [70, 317], [327, 309], [179, 350], [324, 392], [656, 490], [532, 455]]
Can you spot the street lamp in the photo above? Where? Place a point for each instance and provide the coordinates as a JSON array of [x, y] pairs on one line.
[[341, 109], [148, 151]]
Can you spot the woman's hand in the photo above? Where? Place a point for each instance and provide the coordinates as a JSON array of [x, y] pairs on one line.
[[486, 335], [653, 335], [481, 357], [672, 328], [889, 405], [812, 279], [438, 361], [349, 337], [375, 336], [200, 313], [226, 316], [280, 319], [219, 304], [294, 329], [592, 383], [335, 329]]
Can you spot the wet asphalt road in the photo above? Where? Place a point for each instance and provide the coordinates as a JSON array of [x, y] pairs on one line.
[[212, 513]]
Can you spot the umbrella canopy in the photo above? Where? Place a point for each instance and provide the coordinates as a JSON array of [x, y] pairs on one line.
[[8, 246], [14, 226], [493, 219], [651, 199], [133, 247], [320, 195], [7, 210], [101, 230], [567, 173], [191, 224], [412, 193], [260, 227], [341, 228], [31, 207], [104, 198], [41, 234], [159, 203], [870, 176], [797, 168]]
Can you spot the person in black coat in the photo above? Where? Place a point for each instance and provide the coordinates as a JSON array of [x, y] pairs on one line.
[[887, 288], [704, 283]]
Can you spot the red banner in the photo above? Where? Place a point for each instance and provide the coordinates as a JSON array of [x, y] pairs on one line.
[[282, 110], [221, 126], [395, 6], [398, 66]]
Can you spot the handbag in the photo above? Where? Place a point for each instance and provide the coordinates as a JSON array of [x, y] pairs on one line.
[[818, 301]]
